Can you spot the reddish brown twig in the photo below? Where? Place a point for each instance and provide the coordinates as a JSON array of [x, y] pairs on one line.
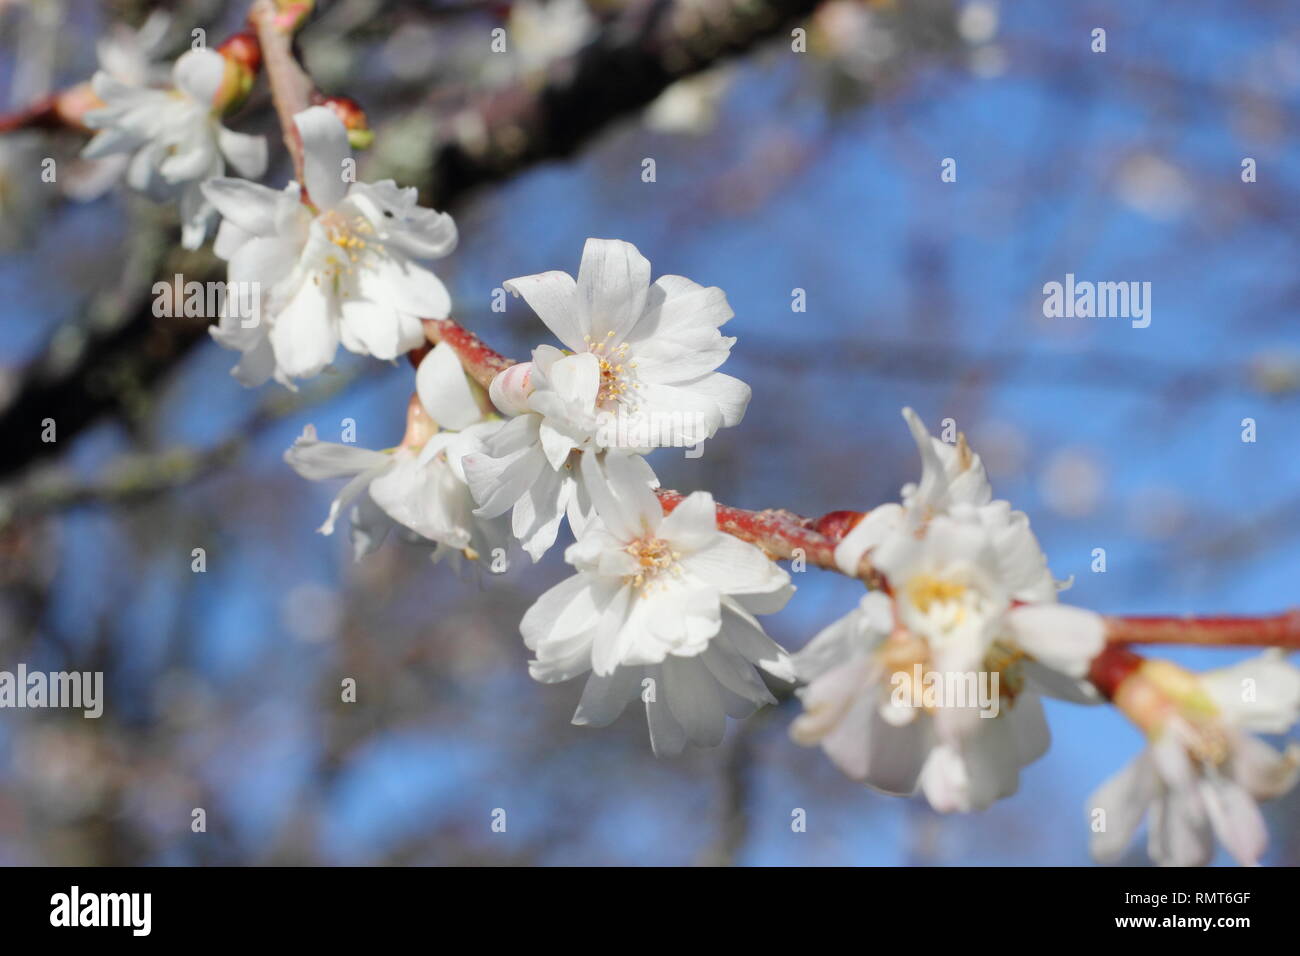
[[783, 534], [1272, 630], [786, 535], [43, 114], [481, 362], [291, 87]]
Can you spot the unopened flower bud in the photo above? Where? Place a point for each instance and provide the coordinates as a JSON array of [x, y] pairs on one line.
[[836, 524], [243, 58], [510, 389], [354, 120], [244, 49]]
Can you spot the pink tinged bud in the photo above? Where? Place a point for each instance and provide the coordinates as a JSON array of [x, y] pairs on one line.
[[510, 389], [292, 14], [354, 120], [244, 49], [236, 83]]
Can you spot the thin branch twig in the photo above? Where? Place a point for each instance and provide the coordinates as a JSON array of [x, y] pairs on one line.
[[786, 535], [1271, 630], [291, 87]]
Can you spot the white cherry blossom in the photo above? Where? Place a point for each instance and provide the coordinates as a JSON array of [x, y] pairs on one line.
[[336, 266], [665, 599], [954, 612], [955, 582], [950, 475], [851, 711], [1203, 770], [175, 137], [640, 372], [130, 57], [420, 489]]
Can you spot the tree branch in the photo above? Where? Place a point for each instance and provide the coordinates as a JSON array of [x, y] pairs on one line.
[[139, 477], [787, 536], [650, 45], [1275, 630]]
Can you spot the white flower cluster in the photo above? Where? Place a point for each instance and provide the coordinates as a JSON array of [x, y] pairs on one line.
[[420, 487], [661, 607], [933, 684], [174, 136], [337, 265], [968, 597], [1203, 769], [639, 370]]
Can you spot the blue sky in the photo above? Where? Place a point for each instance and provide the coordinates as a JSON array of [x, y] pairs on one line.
[[1115, 167]]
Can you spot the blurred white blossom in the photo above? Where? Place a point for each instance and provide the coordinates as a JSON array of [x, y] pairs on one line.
[[1203, 770], [175, 137]]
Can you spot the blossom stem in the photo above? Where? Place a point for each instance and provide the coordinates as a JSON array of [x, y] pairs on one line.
[[788, 536], [41, 114], [62, 110], [291, 87], [1111, 668], [1269, 630], [782, 534], [481, 362]]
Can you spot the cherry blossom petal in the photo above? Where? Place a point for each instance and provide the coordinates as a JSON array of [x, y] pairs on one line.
[[1063, 638], [694, 700], [245, 153], [1236, 819], [325, 147], [1116, 808], [304, 335], [553, 296], [612, 284], [444, 389], [250, 206], [198, 73], [605, 698]]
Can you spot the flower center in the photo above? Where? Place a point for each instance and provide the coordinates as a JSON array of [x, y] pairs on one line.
[[654, 558], [926, 590], [616, 372], [942, 604], [1209, 745], [353, 239]]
